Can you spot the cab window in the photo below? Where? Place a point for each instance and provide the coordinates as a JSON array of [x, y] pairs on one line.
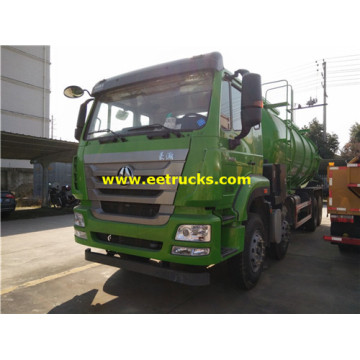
[[230, 112]]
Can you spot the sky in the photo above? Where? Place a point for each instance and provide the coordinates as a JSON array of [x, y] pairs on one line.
[[91, 41], [85, 65]]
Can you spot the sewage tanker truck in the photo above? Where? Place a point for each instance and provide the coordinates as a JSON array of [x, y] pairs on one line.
[[184, 165]]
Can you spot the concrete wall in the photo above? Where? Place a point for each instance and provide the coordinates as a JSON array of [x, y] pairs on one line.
[[25, 90], [58, 172], [25, 106], [18, 181]]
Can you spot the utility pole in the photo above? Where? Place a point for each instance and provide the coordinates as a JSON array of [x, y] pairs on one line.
[[52, 126], [325, 96], [323, 84]]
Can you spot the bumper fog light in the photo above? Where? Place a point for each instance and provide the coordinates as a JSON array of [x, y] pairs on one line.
[[79, 220], [81, 234], [201, 233], [188, 251]]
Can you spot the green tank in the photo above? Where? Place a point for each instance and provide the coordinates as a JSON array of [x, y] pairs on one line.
[[284, 144]]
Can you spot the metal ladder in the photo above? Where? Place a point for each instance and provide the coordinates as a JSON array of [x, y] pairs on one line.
[[289, 114]]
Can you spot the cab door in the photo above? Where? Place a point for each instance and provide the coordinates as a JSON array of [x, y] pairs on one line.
[[246, 158]]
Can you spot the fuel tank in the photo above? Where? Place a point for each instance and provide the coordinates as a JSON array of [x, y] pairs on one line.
[[284, 144]]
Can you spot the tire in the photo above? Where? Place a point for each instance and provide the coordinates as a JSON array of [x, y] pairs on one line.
[[248, 265], [320, 209], [312, 223], [337, 229], [278, 251], [344, 248], [6, 214]]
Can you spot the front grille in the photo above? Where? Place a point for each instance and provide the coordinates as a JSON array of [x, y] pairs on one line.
[[142, 210], [133, 242], [140, 204], [121, 192]]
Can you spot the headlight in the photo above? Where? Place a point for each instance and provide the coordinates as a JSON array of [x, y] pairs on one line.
[[188, 251], [79, 220], [201, 233], [80, 234]]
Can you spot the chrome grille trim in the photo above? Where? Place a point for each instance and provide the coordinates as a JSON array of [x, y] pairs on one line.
[[143, 164], [135, 156], [167, 197]]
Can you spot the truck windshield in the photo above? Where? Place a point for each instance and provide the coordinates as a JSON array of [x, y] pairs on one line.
[[179, 102]]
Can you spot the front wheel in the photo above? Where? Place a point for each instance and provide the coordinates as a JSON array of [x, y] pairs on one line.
[[248, 265]]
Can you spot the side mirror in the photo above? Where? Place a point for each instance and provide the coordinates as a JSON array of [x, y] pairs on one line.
[[251, 105], [251, 101], [81, 119], [74, 92]]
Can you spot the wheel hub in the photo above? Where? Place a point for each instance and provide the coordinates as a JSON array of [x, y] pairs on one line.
[[257, 251]]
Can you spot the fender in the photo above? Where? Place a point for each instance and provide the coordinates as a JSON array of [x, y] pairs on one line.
[[245, 194]]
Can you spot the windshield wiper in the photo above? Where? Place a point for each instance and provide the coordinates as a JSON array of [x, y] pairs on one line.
[[104, 140], [165, 130]]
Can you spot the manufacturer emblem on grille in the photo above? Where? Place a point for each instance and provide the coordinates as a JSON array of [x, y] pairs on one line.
[[126, 172], [166, 156]]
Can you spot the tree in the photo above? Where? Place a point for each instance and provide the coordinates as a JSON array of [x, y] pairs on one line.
[[352, 148], [355, 132], [327, 148]]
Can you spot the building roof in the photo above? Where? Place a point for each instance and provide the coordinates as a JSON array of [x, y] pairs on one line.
[[36, 149]]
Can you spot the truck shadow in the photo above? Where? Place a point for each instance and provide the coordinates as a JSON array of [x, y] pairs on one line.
[[133, 293], [126, 292], [79, 304], [296, 285]]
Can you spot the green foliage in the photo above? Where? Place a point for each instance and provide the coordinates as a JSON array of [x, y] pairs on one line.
[[355, 133], [352, 148], [327, 148]]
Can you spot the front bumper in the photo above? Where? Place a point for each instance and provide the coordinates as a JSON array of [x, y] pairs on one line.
[[152, 268], [152, 242], [342, 240]]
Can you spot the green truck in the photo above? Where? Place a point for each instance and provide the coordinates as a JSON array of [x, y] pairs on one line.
[[218, 175]]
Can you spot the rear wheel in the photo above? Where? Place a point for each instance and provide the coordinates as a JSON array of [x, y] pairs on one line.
[[320, 209], [278, 251], [248, 265], [313, 222]]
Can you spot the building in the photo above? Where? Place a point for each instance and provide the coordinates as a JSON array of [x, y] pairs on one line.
[[25, 90], [25, 107]]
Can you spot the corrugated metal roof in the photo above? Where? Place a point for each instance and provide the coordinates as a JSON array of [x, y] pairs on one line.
[[36, 149]]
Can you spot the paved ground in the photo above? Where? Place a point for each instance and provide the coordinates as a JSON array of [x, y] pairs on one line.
[[44, 271]]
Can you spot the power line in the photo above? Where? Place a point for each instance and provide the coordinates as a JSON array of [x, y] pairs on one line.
[[298, 67], [303, 81], [348, 70], [341, 71], [344, 56], [341, 66], [301, 78], [308, 89], [307, 68], [295, 71], [344, 79], [345, 84], [346, 60], [313, 87]]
